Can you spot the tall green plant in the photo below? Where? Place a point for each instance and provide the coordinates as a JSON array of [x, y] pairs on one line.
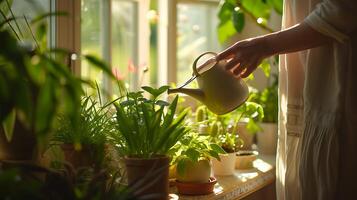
[[147, 127], [35, 81]]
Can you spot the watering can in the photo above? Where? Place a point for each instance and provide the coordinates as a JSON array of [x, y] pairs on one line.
[[218, 89]]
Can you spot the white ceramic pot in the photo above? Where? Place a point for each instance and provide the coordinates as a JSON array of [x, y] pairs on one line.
[[245, 159], [267, 139], [226, 166]]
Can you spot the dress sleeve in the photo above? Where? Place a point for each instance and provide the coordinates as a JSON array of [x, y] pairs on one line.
[[334, 18]]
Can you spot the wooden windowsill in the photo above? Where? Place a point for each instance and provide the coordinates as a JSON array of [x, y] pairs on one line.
[[242, 183]]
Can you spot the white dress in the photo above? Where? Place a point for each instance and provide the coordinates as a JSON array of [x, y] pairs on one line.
[[317, 143]]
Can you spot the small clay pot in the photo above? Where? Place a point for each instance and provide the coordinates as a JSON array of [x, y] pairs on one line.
[[225, 167], [196, 188], [245, 159], [78, 158], [148, 178]]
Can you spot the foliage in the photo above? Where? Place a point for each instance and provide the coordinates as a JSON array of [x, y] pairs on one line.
[[40, 76], [232, 14], [194, 147], [223, 128], [17, 183], [268, 99], [94, 124], [145, 129]]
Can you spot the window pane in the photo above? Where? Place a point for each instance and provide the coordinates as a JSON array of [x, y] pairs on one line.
[[124, 38], [30, 10], [196, 33], [90, 42]]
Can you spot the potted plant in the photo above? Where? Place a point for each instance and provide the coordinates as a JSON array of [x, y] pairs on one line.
[[230, 142], [84, 145], [36, 84], [147, 129], [267, 137], [191, 161]]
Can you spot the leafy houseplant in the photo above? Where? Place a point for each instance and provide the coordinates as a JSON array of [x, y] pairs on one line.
[[147, 129], [35, 85], [84, 145], [191, 161], [267, 137]]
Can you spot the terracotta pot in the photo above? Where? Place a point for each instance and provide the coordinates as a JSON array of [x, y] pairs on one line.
[[245, 159], [23, 145], [268, 138], [148, 178], [196, 188], [78, 158], [225, 167]]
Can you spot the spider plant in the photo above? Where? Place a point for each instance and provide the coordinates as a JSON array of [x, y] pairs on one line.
[[147, 127], [84, 143], [94, 123]]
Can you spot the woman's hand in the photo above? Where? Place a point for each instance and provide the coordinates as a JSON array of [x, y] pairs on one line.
[[245, 56]]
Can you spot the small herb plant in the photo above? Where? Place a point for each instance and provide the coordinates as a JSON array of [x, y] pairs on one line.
[[147, 127], [223, 128], [193, 148]]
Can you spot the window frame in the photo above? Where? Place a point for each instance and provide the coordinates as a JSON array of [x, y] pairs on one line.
[[168, 44], [68, 35]]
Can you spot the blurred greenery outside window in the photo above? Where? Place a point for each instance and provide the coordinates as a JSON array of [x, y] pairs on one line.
[[196, 33]]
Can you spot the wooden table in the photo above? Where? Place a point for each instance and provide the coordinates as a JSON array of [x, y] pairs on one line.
[[244, 184]]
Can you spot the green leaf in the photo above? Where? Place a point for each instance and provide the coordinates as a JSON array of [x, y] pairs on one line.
[[9, 124], [265, 67], [4, 7], [277, 5], [238, 19], [225, 31], [192, 154], [217, 148], [257, 7], [45, 107], [162, 103], [181, 166], [214, 154], [99, 64], [225, 12]]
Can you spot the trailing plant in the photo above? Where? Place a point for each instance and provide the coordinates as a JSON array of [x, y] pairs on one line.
[[147, 127]]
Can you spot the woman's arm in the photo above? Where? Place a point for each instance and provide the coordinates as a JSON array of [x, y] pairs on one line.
[[246, 55]]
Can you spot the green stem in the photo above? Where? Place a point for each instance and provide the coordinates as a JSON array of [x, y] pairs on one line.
[[12, 14], [33, 36]]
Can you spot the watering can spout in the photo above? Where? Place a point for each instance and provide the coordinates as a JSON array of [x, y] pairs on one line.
[[195, 93]]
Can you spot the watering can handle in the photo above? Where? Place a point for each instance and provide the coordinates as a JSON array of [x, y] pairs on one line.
[[194, 65]]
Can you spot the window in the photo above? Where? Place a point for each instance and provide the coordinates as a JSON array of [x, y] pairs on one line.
[[137, 38], [196, 33]]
